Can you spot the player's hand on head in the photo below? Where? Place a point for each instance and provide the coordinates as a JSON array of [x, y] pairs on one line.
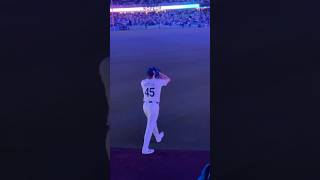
[[156, 72]]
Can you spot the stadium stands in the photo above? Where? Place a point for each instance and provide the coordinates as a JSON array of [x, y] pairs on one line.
[[141, 2], [182, 18]]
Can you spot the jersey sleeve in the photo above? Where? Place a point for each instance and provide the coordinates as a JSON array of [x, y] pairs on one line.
[[164, 82]]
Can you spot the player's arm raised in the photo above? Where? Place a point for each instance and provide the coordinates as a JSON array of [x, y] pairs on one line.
[[164, 77]]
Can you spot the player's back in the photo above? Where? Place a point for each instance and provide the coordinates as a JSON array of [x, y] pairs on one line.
[[152, 89]]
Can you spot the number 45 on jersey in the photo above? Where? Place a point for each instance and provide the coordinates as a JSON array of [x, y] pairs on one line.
[[149, 92]]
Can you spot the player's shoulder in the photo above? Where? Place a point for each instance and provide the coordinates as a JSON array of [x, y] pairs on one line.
[[144, 81], [160, 80], [163, 82]]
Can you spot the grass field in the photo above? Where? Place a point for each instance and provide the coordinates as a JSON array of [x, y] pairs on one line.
[[182, 54]]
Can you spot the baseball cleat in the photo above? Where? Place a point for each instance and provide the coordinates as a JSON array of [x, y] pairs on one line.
[[148, 151], [159, 139]]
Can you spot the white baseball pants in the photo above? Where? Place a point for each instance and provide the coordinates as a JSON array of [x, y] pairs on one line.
[[151, 110]]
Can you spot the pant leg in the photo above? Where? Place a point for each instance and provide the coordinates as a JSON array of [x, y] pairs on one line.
[[152, 118], [155, 130], [146, 110], [147, 134]]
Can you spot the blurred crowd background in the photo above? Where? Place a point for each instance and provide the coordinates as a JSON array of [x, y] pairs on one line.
[[182, 18], [145, 2], [177, 18]]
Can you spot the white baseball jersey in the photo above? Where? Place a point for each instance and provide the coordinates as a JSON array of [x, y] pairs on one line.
[[152, 88]]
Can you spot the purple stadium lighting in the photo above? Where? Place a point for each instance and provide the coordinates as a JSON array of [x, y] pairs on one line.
[[187, 6], [137, 9]]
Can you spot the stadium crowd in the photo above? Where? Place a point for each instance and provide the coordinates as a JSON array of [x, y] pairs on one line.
[[170, 18], [140, 2]]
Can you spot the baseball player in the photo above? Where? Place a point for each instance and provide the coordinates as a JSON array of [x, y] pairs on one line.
[[151, 87]]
